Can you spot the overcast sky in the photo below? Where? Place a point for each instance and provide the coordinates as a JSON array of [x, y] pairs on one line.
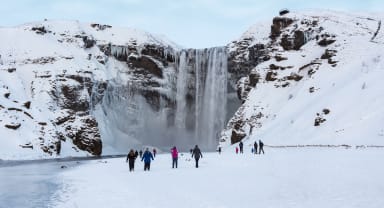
[[190, 23]]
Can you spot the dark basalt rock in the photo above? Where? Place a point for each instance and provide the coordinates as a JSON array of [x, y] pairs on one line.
[[148, 64], [279, 23], [10, 70], [71, 99], [152, 98], [100, 26], [295, 42], [83, 141], [88, 42], [27, 104], [283, 12], [294, 77], [39, 30], [299, 39], [325, 42], [253, 78], [319, 120], [271, 76], [13, 126], [326, 111], [237, 133], [328, 54]]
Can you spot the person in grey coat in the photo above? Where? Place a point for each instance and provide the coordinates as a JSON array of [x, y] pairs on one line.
[[197, 154]]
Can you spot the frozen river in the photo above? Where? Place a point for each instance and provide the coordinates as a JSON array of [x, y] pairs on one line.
[[33, 183]]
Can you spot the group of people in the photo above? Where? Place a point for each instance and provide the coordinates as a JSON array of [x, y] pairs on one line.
[[196, 153], [147, 157], [256, 146]]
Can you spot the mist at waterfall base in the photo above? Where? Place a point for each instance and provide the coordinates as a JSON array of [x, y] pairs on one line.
[[192, 110]]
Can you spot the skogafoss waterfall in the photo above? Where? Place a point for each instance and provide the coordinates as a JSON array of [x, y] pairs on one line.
[[187, 106]]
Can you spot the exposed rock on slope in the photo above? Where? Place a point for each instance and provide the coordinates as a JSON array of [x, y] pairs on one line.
[[314, 60]]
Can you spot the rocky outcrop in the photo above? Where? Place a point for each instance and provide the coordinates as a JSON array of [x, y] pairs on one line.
[[279, 23], [237, 133]]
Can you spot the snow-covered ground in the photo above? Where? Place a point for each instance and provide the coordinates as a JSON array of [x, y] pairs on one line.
[[304, 177]]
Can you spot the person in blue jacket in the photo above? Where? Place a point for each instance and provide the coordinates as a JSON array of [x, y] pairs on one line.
[[147, 156]]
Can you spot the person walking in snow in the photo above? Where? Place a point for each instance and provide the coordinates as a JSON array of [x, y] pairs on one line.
[[237, 150], [136, 153], [241, 147], [175, 156], [141, 153], [154, 152], [261, 147], [255, 147], [147, 156], [219, 149], [131, 157], [197, 154]]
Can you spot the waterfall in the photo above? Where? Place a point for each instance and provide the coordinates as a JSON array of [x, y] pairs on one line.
[[188, 108], [202, 75]]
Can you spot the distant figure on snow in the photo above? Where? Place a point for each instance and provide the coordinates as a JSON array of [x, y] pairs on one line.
[[219, 149], [197, 153], [136, 153], [147, 156], [131, 157], [154, 152], [261, 147], [241, 147], [175, 156], [255, 147], [237, 150], [141, 153]]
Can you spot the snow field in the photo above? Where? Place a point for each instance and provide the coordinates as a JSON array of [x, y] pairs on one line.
[[305, 177]]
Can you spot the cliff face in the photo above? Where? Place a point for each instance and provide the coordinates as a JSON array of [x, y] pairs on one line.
[[308, 82], [72, 89]]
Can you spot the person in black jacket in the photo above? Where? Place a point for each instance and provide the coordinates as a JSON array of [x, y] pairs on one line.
[[255, 147], [197, 154], [241, 147], [131, 157], [261, 145]]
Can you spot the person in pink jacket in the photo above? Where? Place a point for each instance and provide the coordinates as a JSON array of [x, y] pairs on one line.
[[175, 155]]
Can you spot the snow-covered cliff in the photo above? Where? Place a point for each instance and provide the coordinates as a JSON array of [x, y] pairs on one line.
[[70, 88], [319, 81]]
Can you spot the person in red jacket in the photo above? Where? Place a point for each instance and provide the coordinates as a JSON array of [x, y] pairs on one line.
[[175, 156], [237, 150]]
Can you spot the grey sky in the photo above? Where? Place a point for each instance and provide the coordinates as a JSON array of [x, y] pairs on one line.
[[190, 23]]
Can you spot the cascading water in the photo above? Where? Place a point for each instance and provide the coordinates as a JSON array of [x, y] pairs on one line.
[[202, 96], [188, 108]]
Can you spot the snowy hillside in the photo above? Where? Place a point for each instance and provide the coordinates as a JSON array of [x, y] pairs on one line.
[[321, 83], [50, 75], [70, 88]]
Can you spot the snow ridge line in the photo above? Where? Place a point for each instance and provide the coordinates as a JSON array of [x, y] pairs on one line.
[[324, 145], [377, 31]]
